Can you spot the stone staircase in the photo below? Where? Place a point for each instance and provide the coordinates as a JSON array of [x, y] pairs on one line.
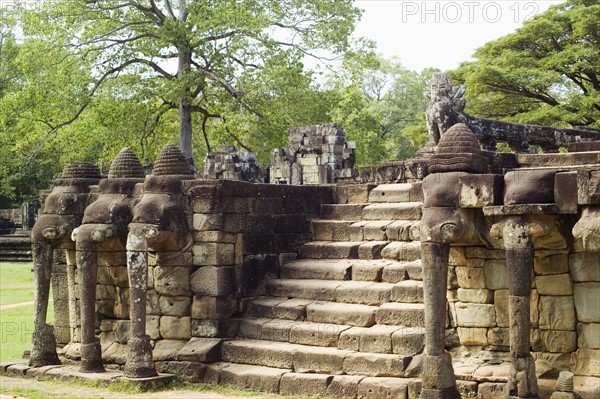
[[15, 247], [344, 319]]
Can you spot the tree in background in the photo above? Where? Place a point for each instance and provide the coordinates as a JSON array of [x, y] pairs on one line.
[[547, 72], [382, 107], [212, 59]]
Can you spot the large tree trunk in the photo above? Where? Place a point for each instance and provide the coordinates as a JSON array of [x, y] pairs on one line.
[[185, 128], [185, 100], [185, 109]]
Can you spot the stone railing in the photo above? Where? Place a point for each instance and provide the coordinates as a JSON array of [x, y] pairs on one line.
[[520, 137], [446, 108]]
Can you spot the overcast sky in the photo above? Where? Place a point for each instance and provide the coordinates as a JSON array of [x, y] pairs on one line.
[[441, 33]]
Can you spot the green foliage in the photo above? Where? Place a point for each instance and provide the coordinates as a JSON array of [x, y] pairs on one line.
[[547, 72], [382, 107], [109, 74], [224, 60]]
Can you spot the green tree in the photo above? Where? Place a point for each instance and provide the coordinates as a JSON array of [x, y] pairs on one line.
[[382, 106], [203, 59], [547, 72]]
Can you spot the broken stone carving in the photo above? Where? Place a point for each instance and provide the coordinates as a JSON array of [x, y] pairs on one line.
[[518, 233], [445, 107], [443, 223], [587, 229], [103, 230], [314, 155], [159, 224], [229, 164], [62, 213]]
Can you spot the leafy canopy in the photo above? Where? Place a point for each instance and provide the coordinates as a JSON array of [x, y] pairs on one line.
[[547, 72], [215, 59]]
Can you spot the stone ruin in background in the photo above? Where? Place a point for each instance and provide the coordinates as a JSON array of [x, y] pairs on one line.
[[474, 272], [314, 155], [317, 154], [228, 164]]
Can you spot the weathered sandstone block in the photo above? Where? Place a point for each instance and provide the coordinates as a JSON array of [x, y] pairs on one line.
[[555, 264], [213, 280], [172, 327], [475, 295], [496, 274], [473, 336], [587, 302], [173, 281], [475, 315], [557, 313], [584, 266], [175, 305], [470, 277], [556, 284], [589, 335], [213, 254]]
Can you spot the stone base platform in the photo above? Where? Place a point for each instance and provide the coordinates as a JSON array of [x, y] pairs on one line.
[[20, 368], [475, 376]]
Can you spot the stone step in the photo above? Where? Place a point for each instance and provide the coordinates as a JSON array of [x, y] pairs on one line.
[[321, 269], [16, 258], [306, 291], [348, 212], [316, 290], [407, 341], [407, 291], [359, 292], [364, 230], [342, 249], [364, 293], [295, 332], [400, 192], [278, 308], [252, 377], [313, 359], [332, 230], [401, 314], [405, 251], [288, 382], [393, 211], [341, 313], [372, 270]]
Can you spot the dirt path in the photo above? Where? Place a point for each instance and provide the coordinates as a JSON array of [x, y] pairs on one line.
[[70, 390], [15, 305]]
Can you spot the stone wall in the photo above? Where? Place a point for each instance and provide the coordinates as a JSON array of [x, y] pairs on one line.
[[565, 305], [316, 154], [241, 233], [229, 164]]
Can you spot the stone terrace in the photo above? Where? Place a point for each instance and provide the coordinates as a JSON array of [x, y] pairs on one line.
[[318, 289]]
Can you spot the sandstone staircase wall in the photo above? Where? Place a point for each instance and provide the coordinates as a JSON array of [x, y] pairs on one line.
[[246, 241]]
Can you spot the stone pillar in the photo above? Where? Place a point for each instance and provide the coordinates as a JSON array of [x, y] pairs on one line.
[[159, 224], [139, 358], [87, 262], [443, 223], [518, 233], [74, 321], [438, 375], [43, 351], [62, 213]]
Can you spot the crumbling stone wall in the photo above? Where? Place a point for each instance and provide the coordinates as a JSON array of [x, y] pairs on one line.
[[241, 234], [314, 155], [229, 164]]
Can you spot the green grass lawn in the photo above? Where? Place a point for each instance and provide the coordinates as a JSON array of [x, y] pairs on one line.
[[16, 283], [16, 324]]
